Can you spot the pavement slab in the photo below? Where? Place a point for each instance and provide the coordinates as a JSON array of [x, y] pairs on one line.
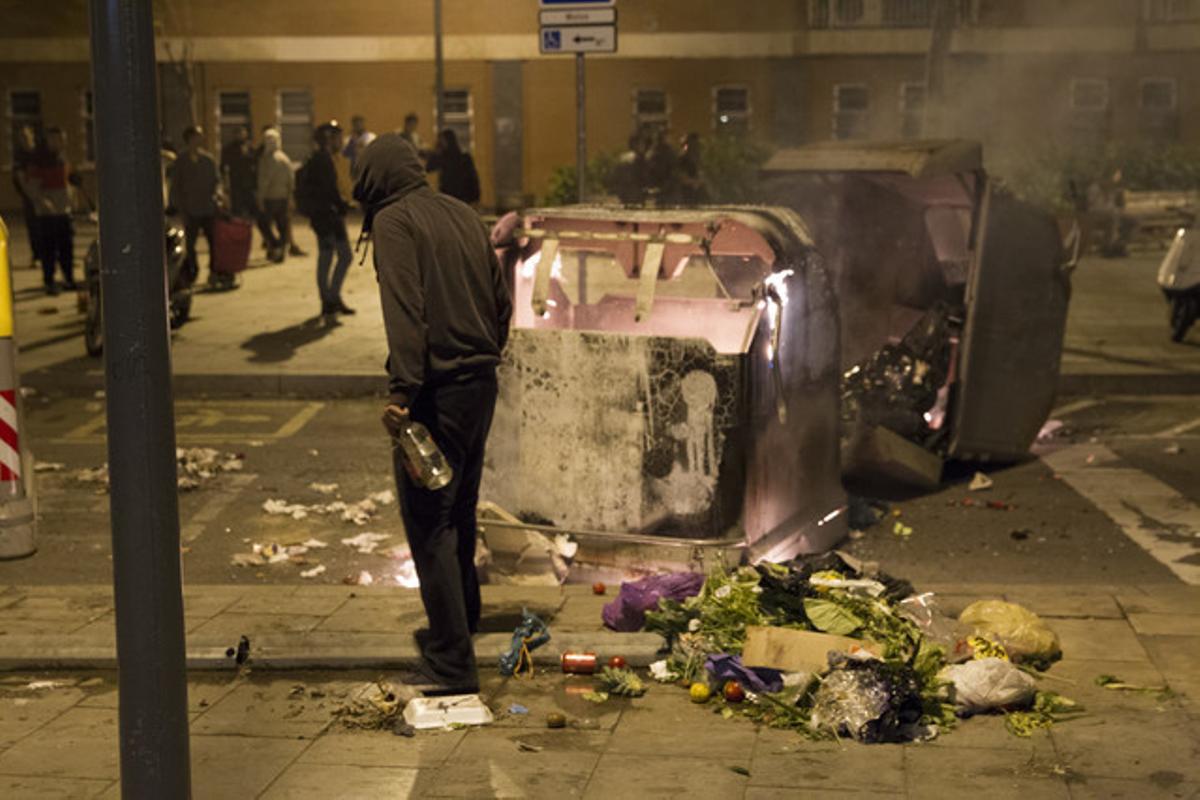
[[663, 722], [785, 759], [79, 743], [23, 712], [982, 773], [27, 787], [382, 749], [620, 774], [270, 708], [1130, 745], [555, 763], [314, 782], [1099, 639], [240, 765]]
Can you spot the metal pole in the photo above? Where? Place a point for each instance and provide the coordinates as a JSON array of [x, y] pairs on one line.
[[580, 128], [141, 429], [439, 70]]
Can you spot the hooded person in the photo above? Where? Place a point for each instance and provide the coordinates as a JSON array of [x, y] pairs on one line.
[[446, 311]]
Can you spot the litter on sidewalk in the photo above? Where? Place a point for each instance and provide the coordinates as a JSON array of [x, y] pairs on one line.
[[832, 647], [359, 513]]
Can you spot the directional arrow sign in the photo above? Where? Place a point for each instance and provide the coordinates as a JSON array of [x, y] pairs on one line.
[[578, 39]]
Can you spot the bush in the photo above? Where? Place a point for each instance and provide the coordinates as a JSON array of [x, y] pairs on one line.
[[563, 190], [729, 166], [1045, 177]]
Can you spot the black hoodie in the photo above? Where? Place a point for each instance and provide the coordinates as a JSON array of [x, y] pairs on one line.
[[446, 305]]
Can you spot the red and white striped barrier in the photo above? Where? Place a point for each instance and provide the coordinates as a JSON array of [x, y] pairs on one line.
[[17, 518]]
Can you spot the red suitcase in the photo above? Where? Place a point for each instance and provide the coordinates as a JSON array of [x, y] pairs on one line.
[[231, 248]]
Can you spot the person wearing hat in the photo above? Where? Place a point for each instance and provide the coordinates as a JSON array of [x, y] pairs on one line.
[[319, 196]]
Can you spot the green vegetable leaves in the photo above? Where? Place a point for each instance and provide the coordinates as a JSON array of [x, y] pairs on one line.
[[830, 617]]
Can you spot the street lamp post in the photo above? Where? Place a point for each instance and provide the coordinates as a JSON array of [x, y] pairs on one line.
[[147, 590], [439, 80]]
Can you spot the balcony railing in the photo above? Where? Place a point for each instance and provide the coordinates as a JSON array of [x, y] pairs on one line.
[[824, 14], [1171, 10]]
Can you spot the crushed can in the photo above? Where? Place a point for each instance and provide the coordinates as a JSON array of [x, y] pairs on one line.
[[579, 663]]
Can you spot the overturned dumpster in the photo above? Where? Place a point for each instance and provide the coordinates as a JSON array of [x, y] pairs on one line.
[[669, 396], [952, 296]]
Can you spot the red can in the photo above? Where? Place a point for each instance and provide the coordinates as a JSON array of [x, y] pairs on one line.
[[579, 663]]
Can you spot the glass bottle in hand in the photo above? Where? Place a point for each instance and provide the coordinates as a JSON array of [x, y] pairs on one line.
[[423, 459]]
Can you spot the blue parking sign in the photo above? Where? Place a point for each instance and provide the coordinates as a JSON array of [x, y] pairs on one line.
[[551, 39]]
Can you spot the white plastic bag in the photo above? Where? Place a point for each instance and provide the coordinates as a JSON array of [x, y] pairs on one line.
[[988, 684]]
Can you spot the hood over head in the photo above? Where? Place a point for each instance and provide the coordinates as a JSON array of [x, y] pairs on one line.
[[271, 140], [388, 169]]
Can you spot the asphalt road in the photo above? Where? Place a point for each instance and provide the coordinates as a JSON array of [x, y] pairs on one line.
[[1051, 533]]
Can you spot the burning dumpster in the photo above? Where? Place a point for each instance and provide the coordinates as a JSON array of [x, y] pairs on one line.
[[951, 292], [669, 395]]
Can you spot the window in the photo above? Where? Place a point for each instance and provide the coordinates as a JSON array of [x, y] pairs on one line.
[[233, 112], [1089, 110], [847, 12], [1158, 101], [87, 117], [651, 109], [458, 112], [24, 108], [907, 13], [912, 110], [294, 116], [1171, 10], [850, 106], [731, 109], [1089, 94]]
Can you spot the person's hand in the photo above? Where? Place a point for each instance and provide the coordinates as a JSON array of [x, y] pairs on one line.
[[394, 419]]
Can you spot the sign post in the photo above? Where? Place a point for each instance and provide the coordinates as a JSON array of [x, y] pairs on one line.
[[579, 27]]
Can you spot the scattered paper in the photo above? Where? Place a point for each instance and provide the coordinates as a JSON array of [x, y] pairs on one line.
[[980, 482], [366, 542], [48, 466], [314, 572], [323, 488]]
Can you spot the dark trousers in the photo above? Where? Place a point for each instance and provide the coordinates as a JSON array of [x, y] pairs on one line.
[[31, 230], [441, 525], [330, 242], [57, 247], [275, 213], [192, 228]]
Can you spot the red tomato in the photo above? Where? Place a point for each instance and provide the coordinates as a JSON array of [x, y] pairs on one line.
[[733, 691], [599, 588]]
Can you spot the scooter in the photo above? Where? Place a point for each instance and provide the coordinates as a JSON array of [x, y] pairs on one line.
[[1179, 278], [179, 281]]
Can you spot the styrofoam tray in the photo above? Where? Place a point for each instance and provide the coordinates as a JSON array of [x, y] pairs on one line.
[[441, 712]]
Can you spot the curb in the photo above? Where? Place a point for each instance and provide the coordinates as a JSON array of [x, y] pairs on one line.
[[324, 651], [1129, 383], [57, 380]]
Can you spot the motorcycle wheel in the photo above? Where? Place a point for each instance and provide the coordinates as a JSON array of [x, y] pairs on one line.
[[181, 308], [1183, 314]]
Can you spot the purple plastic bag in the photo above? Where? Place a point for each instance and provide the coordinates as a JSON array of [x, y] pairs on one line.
[[753, 679], [628, 612]]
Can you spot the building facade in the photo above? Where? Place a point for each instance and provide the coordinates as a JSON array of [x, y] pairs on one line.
[[1015, 73]]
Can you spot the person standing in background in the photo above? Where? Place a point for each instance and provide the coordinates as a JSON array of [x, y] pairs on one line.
[[47, 181], [458, 176], [360, 137], [24, 150], [195, 191], [276, 180], [410, 135], [237, 170], [320, 198], [692, 189]]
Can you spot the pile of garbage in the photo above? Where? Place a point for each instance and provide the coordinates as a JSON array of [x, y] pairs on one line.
[[359, 513], [830, 646], [195, 466]]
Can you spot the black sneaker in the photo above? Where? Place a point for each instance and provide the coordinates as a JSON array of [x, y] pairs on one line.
[[342, 308], [430, 686], [296, 251]]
